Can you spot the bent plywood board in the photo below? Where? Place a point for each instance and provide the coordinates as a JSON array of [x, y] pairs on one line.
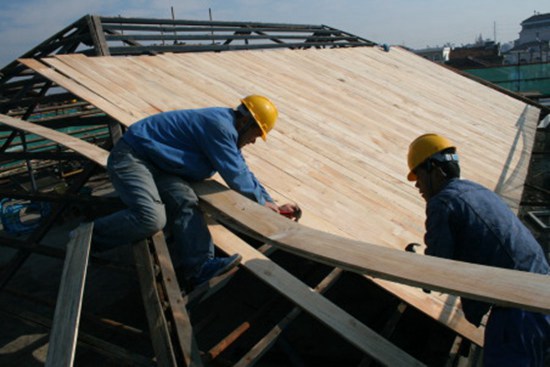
[[346, 119], [503, 287]]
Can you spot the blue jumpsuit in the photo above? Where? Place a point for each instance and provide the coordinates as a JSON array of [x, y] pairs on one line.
[[151, 167], [467, 222]]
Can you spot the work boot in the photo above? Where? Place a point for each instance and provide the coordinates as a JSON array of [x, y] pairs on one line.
[[214, 267]]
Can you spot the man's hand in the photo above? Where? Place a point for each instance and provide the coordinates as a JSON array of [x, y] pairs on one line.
[[291, 211], [411, 248]]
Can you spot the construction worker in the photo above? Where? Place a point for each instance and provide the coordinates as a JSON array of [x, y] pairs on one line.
[[151, 167], [467, 222]]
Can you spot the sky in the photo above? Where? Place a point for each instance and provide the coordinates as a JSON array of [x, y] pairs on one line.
[[417, 24]]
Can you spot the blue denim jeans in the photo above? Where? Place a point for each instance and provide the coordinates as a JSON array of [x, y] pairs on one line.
[[153, 199], [515, 337]]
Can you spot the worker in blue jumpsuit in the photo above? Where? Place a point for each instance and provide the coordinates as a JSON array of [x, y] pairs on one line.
[[465, 221], [151, 167]]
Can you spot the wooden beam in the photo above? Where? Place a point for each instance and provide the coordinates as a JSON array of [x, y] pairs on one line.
[[182, 323], [97, 35], [84, 148], [504, 287], [158, 325], [62, 345], [319, 307]]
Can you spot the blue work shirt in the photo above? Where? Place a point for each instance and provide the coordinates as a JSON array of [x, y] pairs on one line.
[[195, 144], [465, 221]]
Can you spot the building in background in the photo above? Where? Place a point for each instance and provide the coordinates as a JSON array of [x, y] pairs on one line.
[[481, 54], [523, 68], [533, 44], [439, 55]]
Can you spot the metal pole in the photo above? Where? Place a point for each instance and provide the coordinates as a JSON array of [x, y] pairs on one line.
[[212, 30]]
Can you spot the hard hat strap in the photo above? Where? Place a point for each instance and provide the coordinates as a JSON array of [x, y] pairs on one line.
[[250, 121]]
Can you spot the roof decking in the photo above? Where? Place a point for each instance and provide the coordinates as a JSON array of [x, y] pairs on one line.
[[347, 117]]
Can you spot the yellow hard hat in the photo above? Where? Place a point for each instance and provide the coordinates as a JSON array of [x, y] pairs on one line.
[[264, 112], [423, 148]]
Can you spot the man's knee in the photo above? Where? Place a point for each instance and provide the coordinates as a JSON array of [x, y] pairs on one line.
[[181, 198], [153, 219]]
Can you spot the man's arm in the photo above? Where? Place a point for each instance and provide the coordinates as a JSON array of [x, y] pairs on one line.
[[439, 239], [220, 146]]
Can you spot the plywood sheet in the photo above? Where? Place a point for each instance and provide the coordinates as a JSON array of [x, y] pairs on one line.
[[504, 287], [346, 119]]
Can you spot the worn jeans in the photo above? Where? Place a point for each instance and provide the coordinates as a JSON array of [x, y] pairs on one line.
[[153, 199], [515, 337]]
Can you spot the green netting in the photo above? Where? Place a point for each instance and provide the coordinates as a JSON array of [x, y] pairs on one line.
[[533, 78]]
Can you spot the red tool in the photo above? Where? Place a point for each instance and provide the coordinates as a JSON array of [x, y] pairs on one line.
[[291, 214]]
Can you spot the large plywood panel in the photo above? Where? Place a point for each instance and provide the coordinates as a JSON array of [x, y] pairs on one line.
[[346, 119]]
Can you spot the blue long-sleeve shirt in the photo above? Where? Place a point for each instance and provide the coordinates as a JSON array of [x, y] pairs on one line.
[[195, 144], [465, 221]]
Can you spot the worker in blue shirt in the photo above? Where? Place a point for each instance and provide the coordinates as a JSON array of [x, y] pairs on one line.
[[465, 221], [151, 167]]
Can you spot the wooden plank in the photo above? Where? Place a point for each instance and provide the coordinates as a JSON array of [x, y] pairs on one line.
[[82, 147], [182, 323], [97, 34], [158, 326], [100, 102], [105, 81], [502, 286], [62, 344], [319, 307]]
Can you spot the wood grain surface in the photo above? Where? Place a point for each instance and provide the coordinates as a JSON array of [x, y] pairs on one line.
[[339, 148]]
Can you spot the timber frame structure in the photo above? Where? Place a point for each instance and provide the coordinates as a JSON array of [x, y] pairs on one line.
[[37, 164]]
